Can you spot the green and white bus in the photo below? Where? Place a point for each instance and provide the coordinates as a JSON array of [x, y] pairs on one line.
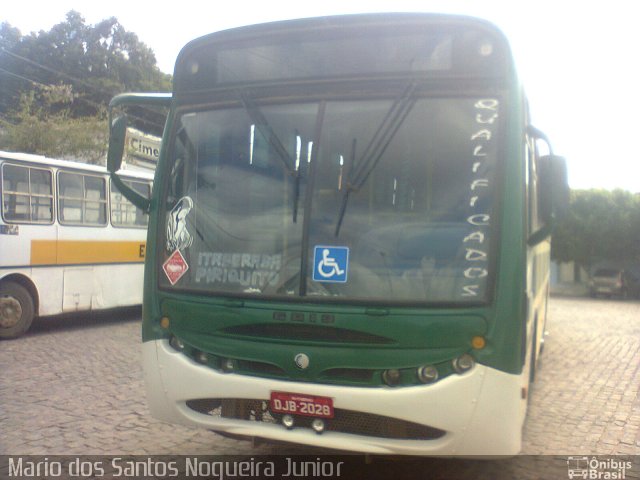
[[349, 236]]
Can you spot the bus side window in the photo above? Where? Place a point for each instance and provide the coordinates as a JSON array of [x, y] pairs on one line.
[[95, 200], [82, 199], [123, 212], [70, 198], [144, 189], [41, 195], [27, 194]]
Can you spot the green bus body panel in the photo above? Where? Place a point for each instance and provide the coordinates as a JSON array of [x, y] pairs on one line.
[[352, 340], [443, 330], [509, 322], [413, 336]]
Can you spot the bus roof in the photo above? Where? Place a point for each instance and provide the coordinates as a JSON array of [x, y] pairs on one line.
[[41, 160], [455, 42], [345, 21]]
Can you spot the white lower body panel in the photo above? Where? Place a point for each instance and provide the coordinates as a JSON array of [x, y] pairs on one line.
[[482, 411], [62, 289]]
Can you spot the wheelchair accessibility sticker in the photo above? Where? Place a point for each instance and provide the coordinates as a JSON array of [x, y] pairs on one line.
[[330, 264]]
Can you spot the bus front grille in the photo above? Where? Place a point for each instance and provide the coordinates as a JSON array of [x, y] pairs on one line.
[[345, 421], [314, 333]]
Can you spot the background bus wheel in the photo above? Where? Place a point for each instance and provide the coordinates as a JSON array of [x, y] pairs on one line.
[[16, 310]]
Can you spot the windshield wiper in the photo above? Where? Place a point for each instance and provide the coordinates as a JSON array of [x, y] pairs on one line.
[[388, 128], [258, 118], [347, 187]]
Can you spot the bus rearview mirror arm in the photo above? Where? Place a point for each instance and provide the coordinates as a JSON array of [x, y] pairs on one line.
[[117, 139], [130, 194]]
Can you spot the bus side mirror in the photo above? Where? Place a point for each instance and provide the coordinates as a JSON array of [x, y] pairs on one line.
[[117, 138], [553, 195], [554, 188], [149, 110]]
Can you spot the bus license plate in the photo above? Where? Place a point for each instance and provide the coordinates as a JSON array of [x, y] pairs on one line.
[[300, 404]]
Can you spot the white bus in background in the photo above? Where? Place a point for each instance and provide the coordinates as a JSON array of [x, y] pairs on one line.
[[69, 240]]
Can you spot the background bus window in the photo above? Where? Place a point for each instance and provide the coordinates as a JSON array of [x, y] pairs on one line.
[[95, 201], [82, 199], [27, 194], [123, 212]]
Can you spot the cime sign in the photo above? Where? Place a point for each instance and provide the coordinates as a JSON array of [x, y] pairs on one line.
[[142, 146]]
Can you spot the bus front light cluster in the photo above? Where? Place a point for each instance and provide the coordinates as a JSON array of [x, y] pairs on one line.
[[463, 363]]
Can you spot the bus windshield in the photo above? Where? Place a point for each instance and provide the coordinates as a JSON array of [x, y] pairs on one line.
[[376, 199]]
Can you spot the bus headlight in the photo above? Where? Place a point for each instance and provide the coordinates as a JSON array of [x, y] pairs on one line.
[[176, 343], [463, 363], [391, 377], [228, 365], [428, 374], [201, 358]]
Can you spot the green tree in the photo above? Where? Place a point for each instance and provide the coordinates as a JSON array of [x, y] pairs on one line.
[[91, 63], [99, 61], [600, 225], [35, 129]]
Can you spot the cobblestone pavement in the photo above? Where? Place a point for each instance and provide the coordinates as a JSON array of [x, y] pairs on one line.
[[586, 396], [73, 386]]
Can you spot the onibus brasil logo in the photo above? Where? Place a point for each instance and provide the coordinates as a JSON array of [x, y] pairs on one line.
[[597, 468]]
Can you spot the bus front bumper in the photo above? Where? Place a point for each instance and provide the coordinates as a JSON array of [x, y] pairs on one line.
[[481, 411]]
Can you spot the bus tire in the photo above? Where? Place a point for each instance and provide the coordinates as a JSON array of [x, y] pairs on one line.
[[16, 310]]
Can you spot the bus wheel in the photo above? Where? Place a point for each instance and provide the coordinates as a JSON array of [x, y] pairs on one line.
[[16, 310]]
